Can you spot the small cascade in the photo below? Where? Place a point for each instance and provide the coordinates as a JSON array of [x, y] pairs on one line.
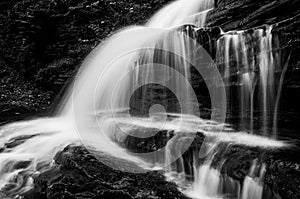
[[253, 183], [208, 181], [212, 184], [248, 64]]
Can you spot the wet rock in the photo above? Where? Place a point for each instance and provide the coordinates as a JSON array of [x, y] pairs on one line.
[[44, 42], [78, 174], [284, 15], [283, 176]]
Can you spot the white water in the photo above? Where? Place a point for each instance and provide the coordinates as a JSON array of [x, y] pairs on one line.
[[95, 110], [249, 66], [182, 12], [254, 182], [251, 56]]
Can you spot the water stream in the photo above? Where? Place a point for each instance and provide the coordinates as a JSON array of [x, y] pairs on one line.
[[99, 109]]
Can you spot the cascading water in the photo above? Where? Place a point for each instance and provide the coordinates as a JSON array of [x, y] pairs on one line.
[[253, 183], [173, 15], [137, 56], [247, 64]]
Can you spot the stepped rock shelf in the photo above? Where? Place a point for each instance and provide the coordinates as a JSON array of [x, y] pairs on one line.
[[88, 150]]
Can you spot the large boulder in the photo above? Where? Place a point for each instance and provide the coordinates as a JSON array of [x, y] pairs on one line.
[[77, 174]]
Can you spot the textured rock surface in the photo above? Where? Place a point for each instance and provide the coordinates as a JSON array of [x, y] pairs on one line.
[[43, 43], [78, 174], [284, 15]]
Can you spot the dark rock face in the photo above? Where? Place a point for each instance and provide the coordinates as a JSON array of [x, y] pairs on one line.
[[283, 176], [78, 174], [53, 37], [245, 14], [44, 42], [284, 15]]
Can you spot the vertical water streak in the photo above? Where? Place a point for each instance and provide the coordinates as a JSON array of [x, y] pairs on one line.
[[279, 95], [266, 67], [248, 64], [246, 59]]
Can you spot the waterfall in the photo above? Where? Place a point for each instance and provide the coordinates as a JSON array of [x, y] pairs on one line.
[[173, 15], [250, 63], [253, 185], [138, 83], [208, 181]]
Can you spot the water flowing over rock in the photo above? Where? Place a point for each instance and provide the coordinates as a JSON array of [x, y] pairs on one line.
[[133, 104]]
